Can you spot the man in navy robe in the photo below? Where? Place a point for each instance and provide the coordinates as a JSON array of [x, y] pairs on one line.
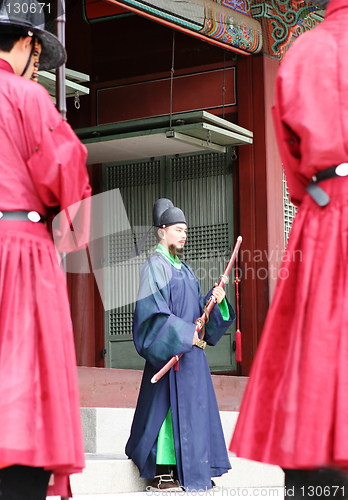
[[176, 437]]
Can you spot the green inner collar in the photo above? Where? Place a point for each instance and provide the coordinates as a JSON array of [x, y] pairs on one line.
[[175, 261]]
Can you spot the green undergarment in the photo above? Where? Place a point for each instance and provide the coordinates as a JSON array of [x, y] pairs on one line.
[[225, 313], [165, 442]]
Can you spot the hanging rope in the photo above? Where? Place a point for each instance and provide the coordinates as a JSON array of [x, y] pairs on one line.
[[238, 332], [171, 82]]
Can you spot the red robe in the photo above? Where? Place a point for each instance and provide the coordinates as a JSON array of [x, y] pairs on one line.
[[42, 165], [295, 409]]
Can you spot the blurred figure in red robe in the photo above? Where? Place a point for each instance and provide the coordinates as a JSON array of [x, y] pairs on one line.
[[295, 409], [42, 167]]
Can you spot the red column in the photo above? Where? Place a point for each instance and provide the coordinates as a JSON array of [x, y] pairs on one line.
[[260, 199], [87, 309]]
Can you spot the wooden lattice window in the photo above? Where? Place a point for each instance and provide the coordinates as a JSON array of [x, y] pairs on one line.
[[289, 210]]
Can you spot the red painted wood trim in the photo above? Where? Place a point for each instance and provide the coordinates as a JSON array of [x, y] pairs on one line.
[[275, 202], [97, 253], [183, 30], [161, 75], [247, 213], [260, 194], [87, 311], [191, 92]]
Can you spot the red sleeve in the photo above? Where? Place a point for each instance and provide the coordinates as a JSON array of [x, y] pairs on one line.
[[289, 149], [57, 167]]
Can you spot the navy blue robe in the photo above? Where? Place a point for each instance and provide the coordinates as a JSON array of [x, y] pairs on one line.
[[169, 302]]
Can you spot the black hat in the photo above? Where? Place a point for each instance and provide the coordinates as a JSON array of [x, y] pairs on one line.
[[29, 16], [165, 214]]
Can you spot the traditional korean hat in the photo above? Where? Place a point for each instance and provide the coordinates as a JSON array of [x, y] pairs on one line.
[[28, 15], [165, 214]]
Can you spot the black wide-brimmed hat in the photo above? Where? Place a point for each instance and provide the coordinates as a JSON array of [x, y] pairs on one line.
[[29, 16], [165, 214]]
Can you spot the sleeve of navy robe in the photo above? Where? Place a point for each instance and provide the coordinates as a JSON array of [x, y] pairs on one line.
[[158, 333]]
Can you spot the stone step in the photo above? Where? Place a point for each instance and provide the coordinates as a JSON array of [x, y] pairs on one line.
[[109, 472], [112, 474], [264, 493], [106, 430]]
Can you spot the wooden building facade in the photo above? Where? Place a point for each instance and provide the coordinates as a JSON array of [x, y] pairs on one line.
[[148, 76]]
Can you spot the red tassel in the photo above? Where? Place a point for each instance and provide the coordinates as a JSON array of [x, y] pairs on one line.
[[176, 366], [238, 346]]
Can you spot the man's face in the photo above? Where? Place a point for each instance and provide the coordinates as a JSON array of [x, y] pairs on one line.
[[175, 238]]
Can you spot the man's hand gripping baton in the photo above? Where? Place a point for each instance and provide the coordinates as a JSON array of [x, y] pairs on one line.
[[210, 304]]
